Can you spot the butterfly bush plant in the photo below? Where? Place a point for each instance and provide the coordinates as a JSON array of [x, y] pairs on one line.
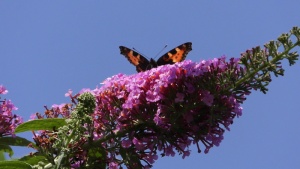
[[131, 121]]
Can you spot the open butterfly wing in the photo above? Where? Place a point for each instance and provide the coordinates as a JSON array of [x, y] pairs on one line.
[[177, 54], [135, 58]]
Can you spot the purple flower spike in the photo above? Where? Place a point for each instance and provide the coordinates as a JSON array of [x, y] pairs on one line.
[[8, 120], [168, 108]]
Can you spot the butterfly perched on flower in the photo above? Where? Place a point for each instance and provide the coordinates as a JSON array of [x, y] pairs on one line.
[[177, 54]]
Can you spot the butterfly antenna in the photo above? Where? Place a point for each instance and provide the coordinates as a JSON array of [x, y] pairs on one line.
[[139, 52], [161, 50]]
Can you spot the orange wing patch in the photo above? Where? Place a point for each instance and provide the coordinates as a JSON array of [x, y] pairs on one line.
[[133, 59], [178, 57]]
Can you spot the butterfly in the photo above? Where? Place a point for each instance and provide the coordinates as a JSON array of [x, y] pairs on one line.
[[177, 54]]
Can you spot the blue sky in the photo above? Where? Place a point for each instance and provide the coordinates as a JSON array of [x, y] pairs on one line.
[[48, 47]]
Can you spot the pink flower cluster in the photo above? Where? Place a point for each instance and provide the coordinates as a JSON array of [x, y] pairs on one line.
[[166, 109], [8, 120]]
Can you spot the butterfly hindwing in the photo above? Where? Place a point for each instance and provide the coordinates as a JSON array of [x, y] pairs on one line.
[[135, 58], [177, 54]]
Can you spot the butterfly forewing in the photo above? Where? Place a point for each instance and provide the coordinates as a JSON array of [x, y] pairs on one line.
[[177, 54], [135, 58]]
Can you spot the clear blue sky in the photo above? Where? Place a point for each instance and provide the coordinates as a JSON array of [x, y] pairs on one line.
[[48, 47]]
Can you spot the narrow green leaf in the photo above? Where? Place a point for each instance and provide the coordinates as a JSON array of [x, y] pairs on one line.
[[59, 160], [14, 165], [41, 124], [14, 141], [34, 159]]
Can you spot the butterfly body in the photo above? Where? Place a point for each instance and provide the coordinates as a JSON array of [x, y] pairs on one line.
[[177, 54]]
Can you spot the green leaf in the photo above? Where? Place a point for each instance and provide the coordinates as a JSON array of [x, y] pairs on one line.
[[14, 165], [6, 149], [97, 157], [2, 156], [41, 124], [59, 160], [34, 159], [14, 141]]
